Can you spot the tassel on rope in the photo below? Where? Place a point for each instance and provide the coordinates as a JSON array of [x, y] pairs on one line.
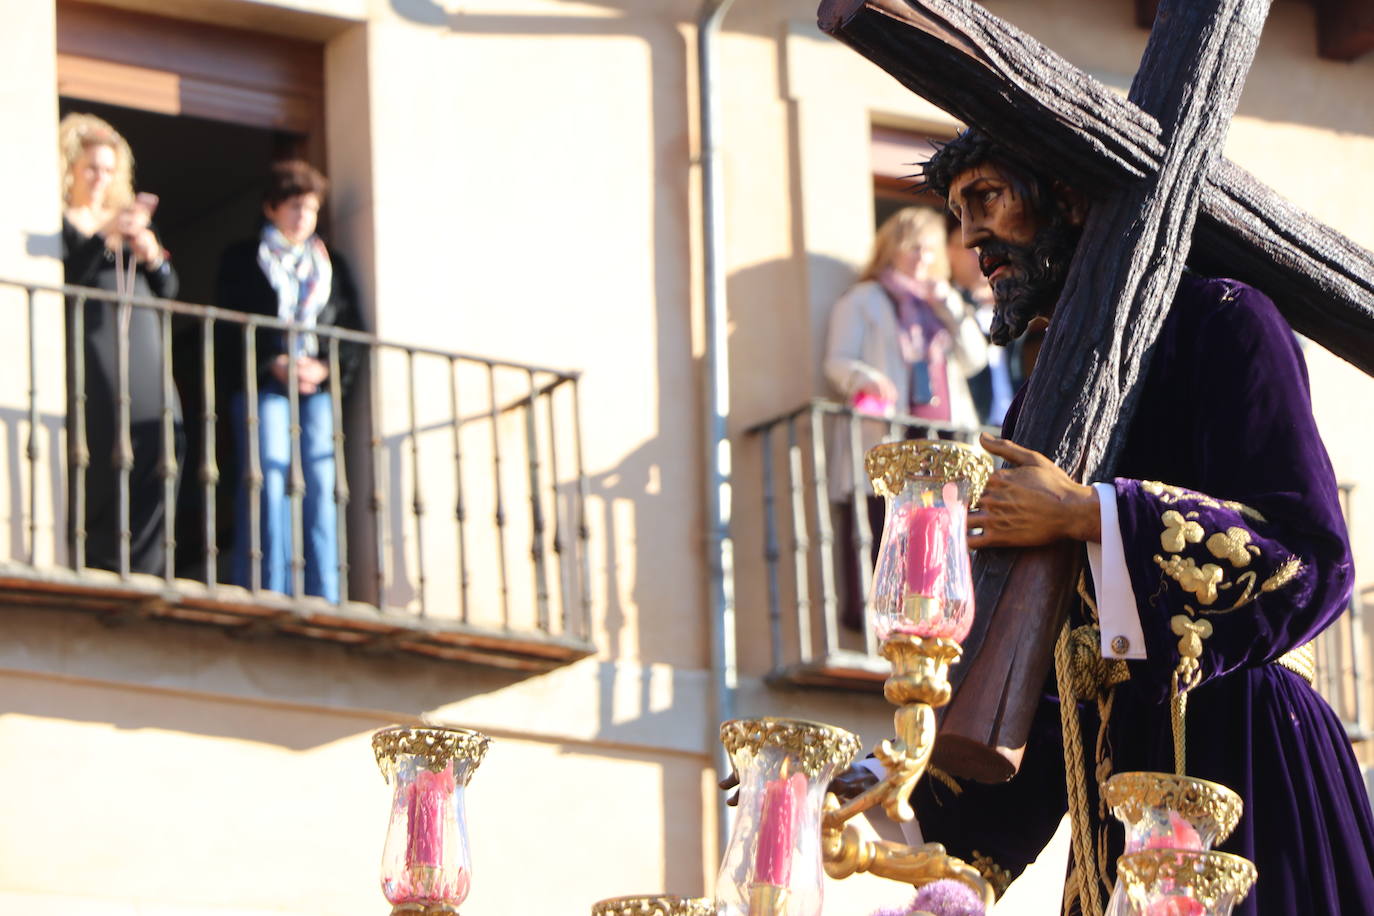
[[1084, 856]]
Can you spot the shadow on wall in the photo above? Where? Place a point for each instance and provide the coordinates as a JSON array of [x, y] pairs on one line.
[[642, 498]]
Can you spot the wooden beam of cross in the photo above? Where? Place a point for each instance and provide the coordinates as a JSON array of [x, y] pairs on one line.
[[985, 72], [1150, 160]]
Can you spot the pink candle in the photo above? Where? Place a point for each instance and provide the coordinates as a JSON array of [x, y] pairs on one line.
[[929, 530], [426, 807], [779, 821], [1176, 906]]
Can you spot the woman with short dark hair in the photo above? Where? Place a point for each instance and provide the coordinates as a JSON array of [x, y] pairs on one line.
[[288, 272]]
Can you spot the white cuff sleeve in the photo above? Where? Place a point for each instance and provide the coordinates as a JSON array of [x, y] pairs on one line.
[[1117, 612]]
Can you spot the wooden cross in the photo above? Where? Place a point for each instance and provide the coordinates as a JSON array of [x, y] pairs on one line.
[[1151, 162]]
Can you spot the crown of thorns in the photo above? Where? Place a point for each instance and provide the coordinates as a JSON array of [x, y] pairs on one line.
[[954, 157]]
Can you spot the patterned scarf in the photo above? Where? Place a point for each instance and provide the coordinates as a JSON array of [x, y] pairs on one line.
[[303, 278], [926, 346]]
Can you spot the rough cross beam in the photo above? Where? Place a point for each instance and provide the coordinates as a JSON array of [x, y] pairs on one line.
[[1345, 28], [986, 72], [1150, 161]]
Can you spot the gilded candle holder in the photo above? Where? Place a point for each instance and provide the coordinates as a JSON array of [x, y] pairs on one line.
[[923, 579], [772, 864], [1168, 811], [660, 905], [922, 608], [426, 860], [1184, 882]]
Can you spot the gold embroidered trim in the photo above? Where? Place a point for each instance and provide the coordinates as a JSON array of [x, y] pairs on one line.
[[1169, 494], [1302, 661], [992, 873]]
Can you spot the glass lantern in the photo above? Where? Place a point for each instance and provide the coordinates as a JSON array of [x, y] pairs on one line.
[[923, 582], [772, 865], [1184, 882], [660, 905], [1168, 811], [426, 866]]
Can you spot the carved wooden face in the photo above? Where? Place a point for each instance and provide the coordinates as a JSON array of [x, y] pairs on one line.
[[990, 208], [1023, 249]]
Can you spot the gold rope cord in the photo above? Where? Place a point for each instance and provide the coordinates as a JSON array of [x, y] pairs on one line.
[[1085, 859], [1178, 713]]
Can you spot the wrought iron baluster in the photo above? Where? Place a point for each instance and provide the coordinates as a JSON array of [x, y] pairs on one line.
[[378, 473], [167, 467], [541, 585], [825, 534], [583, 530], [559, 549], [801, 541], [252, 472], [79, 461], [771, 554], [295, 480], [493, 415], [123, 458], [341, 494], [32, 450], [209, 466], [417, 501], [862, 545], [460, 508]]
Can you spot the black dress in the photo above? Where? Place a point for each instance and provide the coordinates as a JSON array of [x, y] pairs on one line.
[[88, 262]]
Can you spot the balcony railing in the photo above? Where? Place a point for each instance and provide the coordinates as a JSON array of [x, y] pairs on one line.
[[812, 572], [470, 540], [812, 461]]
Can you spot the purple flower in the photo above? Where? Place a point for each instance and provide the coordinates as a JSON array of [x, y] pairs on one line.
[[948, 897]]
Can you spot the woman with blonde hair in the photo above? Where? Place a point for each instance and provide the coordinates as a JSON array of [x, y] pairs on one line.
[[901, 341], [108, 243]]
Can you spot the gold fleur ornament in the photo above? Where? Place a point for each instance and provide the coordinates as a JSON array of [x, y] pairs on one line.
[[1178, 531], [1202, 580], [1234, 545]]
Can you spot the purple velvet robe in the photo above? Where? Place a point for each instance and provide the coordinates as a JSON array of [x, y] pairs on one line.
[[1228, 511]]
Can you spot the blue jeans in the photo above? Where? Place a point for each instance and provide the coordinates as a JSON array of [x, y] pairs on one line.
[[319, 512]]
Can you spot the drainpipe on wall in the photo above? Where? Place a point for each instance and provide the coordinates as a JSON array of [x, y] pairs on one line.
[[716, 395]]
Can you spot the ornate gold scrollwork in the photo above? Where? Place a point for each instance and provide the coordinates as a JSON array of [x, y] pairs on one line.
[[892, 464], [661, 905], [918, 684], [434, 745]]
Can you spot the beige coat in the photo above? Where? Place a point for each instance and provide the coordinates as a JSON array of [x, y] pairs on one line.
[[862, 344]]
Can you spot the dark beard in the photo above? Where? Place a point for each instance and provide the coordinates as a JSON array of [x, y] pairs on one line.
[[1032, 286]]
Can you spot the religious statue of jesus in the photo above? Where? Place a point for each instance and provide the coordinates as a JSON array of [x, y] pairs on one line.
[[1216, 553]]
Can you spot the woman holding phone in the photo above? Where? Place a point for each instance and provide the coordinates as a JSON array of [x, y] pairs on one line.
[[108, 243]]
